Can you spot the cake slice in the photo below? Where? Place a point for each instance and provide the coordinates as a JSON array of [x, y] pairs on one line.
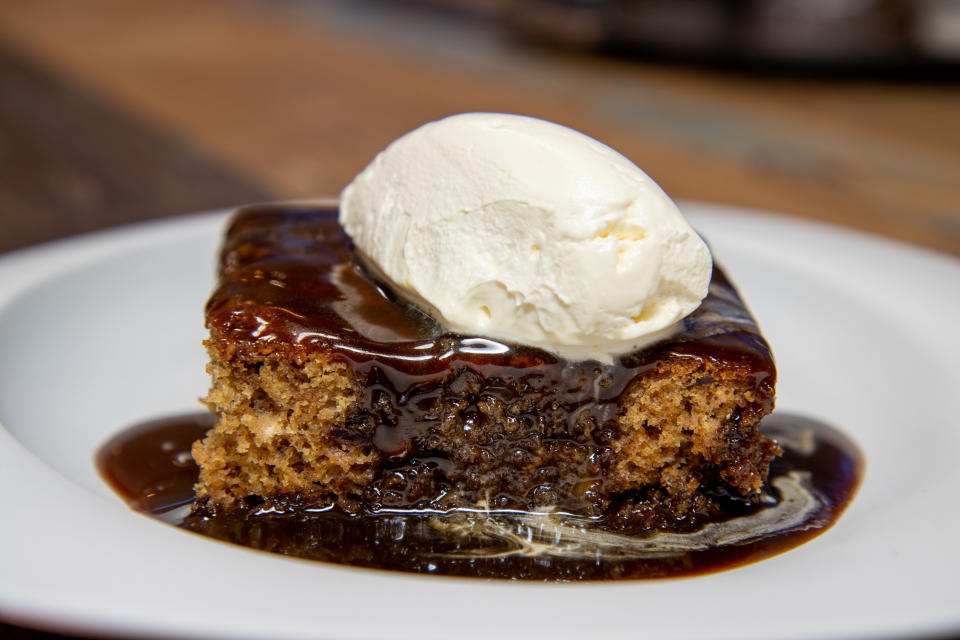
[[330, 393]]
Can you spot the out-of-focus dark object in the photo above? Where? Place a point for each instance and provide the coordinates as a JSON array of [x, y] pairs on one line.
[[882, 34]]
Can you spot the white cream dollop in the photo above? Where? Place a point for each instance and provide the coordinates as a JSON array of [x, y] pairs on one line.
[[525, 231]]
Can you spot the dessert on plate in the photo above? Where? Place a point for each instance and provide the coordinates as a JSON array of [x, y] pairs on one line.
[[500, 314]]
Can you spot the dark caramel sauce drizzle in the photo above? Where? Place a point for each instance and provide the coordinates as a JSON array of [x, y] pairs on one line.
[[150, 466], [289, 280]]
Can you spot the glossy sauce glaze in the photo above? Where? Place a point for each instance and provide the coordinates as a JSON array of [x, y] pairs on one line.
[[290, 285], [289, 280], [808, 488]]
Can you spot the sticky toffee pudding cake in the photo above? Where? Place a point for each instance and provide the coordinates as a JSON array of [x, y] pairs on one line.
[[330, 393], [503, 353]]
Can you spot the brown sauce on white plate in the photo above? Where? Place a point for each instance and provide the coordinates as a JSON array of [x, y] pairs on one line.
[[808, 488]]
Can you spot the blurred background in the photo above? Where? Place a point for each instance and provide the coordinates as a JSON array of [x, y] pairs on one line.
[[846, 111]]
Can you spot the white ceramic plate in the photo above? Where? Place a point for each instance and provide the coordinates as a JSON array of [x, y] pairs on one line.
[[102, 331]]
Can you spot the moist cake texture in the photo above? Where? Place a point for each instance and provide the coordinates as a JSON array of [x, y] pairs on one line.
[[328, 393]]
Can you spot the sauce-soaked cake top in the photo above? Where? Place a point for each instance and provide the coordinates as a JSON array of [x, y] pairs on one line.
[[292, 291], [289, 280]]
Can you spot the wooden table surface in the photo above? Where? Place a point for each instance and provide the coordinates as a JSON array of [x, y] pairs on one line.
[[114, 111]]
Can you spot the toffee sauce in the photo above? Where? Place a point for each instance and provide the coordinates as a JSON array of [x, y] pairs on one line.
[[292, 285], [808, 488]]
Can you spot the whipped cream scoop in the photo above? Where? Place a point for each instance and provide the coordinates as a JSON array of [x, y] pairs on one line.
[[529, 232]]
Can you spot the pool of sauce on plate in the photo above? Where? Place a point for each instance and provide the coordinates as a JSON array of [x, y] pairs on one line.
[[808, 488]]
